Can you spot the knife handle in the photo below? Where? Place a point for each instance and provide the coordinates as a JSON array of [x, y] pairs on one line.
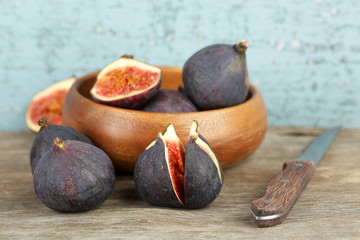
[[282, 193]]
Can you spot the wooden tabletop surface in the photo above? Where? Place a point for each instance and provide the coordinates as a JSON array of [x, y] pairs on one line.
[[329, 208]]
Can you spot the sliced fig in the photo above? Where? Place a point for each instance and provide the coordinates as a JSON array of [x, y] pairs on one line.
[[167, 176], [126, 83], [203, 172], [169, 101], [217, 76], [159, 171], [47, 104], [44, 139], [73, 176]]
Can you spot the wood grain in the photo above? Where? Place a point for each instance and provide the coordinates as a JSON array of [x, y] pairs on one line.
[[282, 193], [327, 209]]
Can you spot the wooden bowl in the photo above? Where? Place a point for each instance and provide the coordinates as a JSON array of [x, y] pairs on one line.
[[234, 132]]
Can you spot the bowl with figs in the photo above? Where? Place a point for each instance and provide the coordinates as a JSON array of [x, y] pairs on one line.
[[124, 129], [233, 132]]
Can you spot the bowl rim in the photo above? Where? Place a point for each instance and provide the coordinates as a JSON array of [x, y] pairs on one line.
[[87, 77]]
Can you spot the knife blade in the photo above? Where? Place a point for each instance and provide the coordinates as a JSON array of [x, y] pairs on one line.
[[283, 191]]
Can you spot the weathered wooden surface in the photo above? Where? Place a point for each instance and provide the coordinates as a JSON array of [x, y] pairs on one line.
[[329, 208]]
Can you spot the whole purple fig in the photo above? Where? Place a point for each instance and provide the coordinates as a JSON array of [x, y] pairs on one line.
[[217, 76], [169, 101], [47, 133], [73, 176]]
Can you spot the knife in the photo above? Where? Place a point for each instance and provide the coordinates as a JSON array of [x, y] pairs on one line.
[[283, 191]]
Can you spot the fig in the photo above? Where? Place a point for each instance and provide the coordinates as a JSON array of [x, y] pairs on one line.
[[126, 83], [167, 175], [44, 139], [73, 176], [169, 101], [47, 104], [217, 76], [204, 175]]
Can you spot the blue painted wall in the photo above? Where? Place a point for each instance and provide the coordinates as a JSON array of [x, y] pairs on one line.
[[304, 56]]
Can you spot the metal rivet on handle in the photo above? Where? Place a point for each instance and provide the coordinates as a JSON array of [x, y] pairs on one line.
[[284, 180], [268, 201], [298, 164]]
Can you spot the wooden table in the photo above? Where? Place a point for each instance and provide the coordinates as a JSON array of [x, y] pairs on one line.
[[329, 208]]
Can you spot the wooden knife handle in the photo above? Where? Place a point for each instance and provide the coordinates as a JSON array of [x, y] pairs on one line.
[[282, 193]]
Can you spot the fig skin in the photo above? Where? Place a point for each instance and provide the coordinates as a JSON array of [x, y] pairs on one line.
[[152, 179], [202, 181], [44, 139], [73, 176], [134, 99], [203, 175], [217, 76], [169, 101]]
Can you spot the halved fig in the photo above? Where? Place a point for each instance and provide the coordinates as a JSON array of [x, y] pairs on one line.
[[167, 176], [47, 104], [126, 83]]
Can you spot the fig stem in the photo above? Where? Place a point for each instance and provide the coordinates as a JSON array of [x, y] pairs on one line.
[[194, 136], [58, 142], [241, 46], [43, 122], [193, 130], [127, 56]]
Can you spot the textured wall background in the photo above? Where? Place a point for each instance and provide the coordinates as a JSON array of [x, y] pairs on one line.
[[304, 56]]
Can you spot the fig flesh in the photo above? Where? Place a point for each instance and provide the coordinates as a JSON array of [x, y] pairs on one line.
[[73, 176], [217, 76], [169, 101], [166, 175], [44, 139], [47, 104], [126, 83]]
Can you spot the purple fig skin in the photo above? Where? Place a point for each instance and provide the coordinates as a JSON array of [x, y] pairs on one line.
[[169, 101], [216, 76], [132, 102], [44, 139], [202, 181], [74, 178], [152, 178]]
